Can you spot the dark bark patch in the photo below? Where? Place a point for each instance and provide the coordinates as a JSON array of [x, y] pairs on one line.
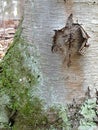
[[70, 40]]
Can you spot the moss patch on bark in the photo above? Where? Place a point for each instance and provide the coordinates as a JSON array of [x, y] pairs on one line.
[[16, 81]]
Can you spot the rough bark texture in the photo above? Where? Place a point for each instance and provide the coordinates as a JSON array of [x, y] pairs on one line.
[[60, 84]]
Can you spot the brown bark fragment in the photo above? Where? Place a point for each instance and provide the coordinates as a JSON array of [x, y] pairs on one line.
[[70, 40]]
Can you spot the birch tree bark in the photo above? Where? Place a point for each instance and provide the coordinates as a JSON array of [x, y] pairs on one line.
[[59, 85]]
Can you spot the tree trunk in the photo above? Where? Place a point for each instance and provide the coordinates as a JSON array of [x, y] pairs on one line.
[[30, 60], [60, 84]]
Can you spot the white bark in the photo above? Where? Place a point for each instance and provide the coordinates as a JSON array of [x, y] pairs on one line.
[[61, 84]]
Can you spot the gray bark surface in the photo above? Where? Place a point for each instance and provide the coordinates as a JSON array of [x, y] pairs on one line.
[[59, 84]]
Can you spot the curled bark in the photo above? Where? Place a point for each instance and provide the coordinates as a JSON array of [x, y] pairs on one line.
[[70, 40]]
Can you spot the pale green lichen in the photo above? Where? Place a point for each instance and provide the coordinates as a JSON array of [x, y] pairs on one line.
[[88, 113], [63, 114]]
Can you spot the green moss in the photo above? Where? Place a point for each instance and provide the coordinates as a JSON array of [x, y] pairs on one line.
[[16, 80], [31, 115]]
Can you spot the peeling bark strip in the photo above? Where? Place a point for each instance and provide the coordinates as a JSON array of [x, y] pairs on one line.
[[70, 40]]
